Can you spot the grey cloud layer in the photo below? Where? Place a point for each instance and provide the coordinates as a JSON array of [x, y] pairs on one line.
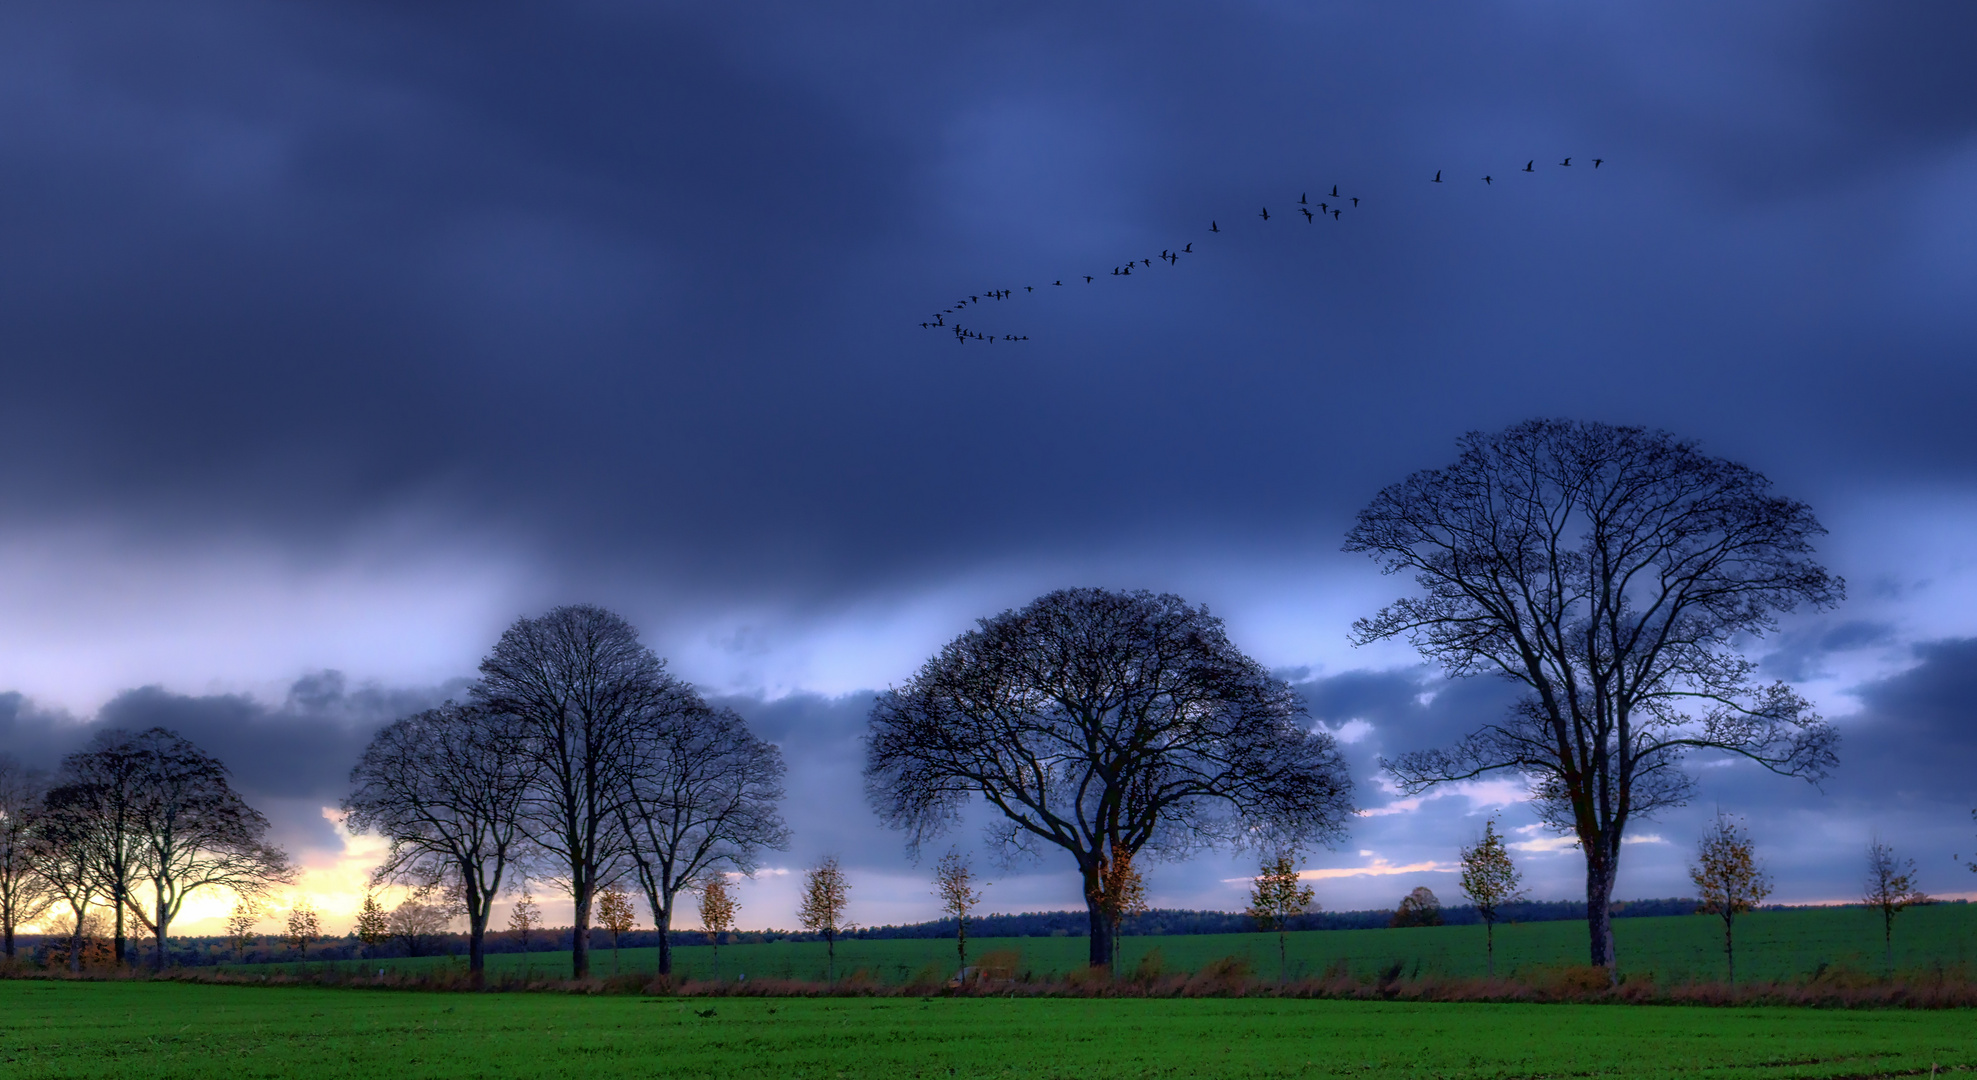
[[637, 286]]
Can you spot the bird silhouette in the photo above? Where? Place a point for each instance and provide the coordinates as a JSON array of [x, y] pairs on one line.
[[1087, 279], [1300, 198], [1335, 191], [1355, 200], [1528, 164], [1212, 227], [1566, 162], [1189, 250], [1266, 213], [1058, 282], [1438, 176], [1308, 219], [1335, 214], [1596, 162], [1487, 180]]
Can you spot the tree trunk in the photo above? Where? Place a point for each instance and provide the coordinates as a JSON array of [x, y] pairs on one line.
[[1729, 947], [1489, 947], [8, 932], [477, 950], [1101, 927], [1600, 870], [662, 918], [830, 956], [164, 921], [580, 938], [117, 948]]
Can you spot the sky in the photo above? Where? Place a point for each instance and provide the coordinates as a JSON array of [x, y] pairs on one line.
[[336, 337]]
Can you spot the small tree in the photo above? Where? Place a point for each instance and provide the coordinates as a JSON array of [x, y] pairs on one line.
[[1728, 879], [614, 913], [240, 925], [304, 926], [24, 894], [717, 913], [1418, 908], [526, 916], [373, 923], [1890, 888], [1277, 894], [825, 894], [954, 882], [1490, 880]]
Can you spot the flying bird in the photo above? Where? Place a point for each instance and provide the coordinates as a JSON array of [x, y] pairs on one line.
[[1596, 162], [1438, 176], [1487, 180], [1528, 164], [1567, 162], [1355, 200], [1266, 213], [1335, 215], [1189, 249], [1058, 282], [1335, 190], [1300, 198], [1087, 279], [1213, 228], [1308, 219]]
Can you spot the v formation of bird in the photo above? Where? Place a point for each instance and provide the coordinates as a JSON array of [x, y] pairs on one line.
[[1334, 206]]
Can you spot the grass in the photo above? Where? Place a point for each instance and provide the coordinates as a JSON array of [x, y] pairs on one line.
[[111, 1030], [1772, 945]]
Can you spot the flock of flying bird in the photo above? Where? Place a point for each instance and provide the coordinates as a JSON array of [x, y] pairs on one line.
[[1333, 205]]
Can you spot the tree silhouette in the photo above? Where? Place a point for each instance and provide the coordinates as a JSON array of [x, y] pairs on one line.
[[24, 892], [1613, 572], [702, 797], [581, 691], [445, 787], [1104, 723]]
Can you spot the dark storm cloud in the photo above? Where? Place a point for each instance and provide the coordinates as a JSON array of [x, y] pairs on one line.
[[289, 761], [636, 285]]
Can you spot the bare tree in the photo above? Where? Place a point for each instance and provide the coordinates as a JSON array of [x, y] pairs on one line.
[[826, 892], [717, 913], [582, 690], [1890, 888], [61, 847], [1490, 880], [446, 787], [1104, 723], [241, 922], [24, 893], [702, 797], [100, 790], [1728, 880], [525, 918], [1276, 894], [954, 884], [1613, 572], [194, 832]]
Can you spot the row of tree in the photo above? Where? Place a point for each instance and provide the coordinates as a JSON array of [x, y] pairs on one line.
[[135, 824], [1612, 573]]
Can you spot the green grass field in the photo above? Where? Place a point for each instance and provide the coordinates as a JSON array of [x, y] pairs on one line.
[[1771, 945], [113, 1030]]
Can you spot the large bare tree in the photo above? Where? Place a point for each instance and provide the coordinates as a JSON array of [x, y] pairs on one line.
[[1613, 572], [24, 892], [702, 799], [61, 846], [196, 833], [101, 790], [445, 787], [581, 690], [1104, 723]]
